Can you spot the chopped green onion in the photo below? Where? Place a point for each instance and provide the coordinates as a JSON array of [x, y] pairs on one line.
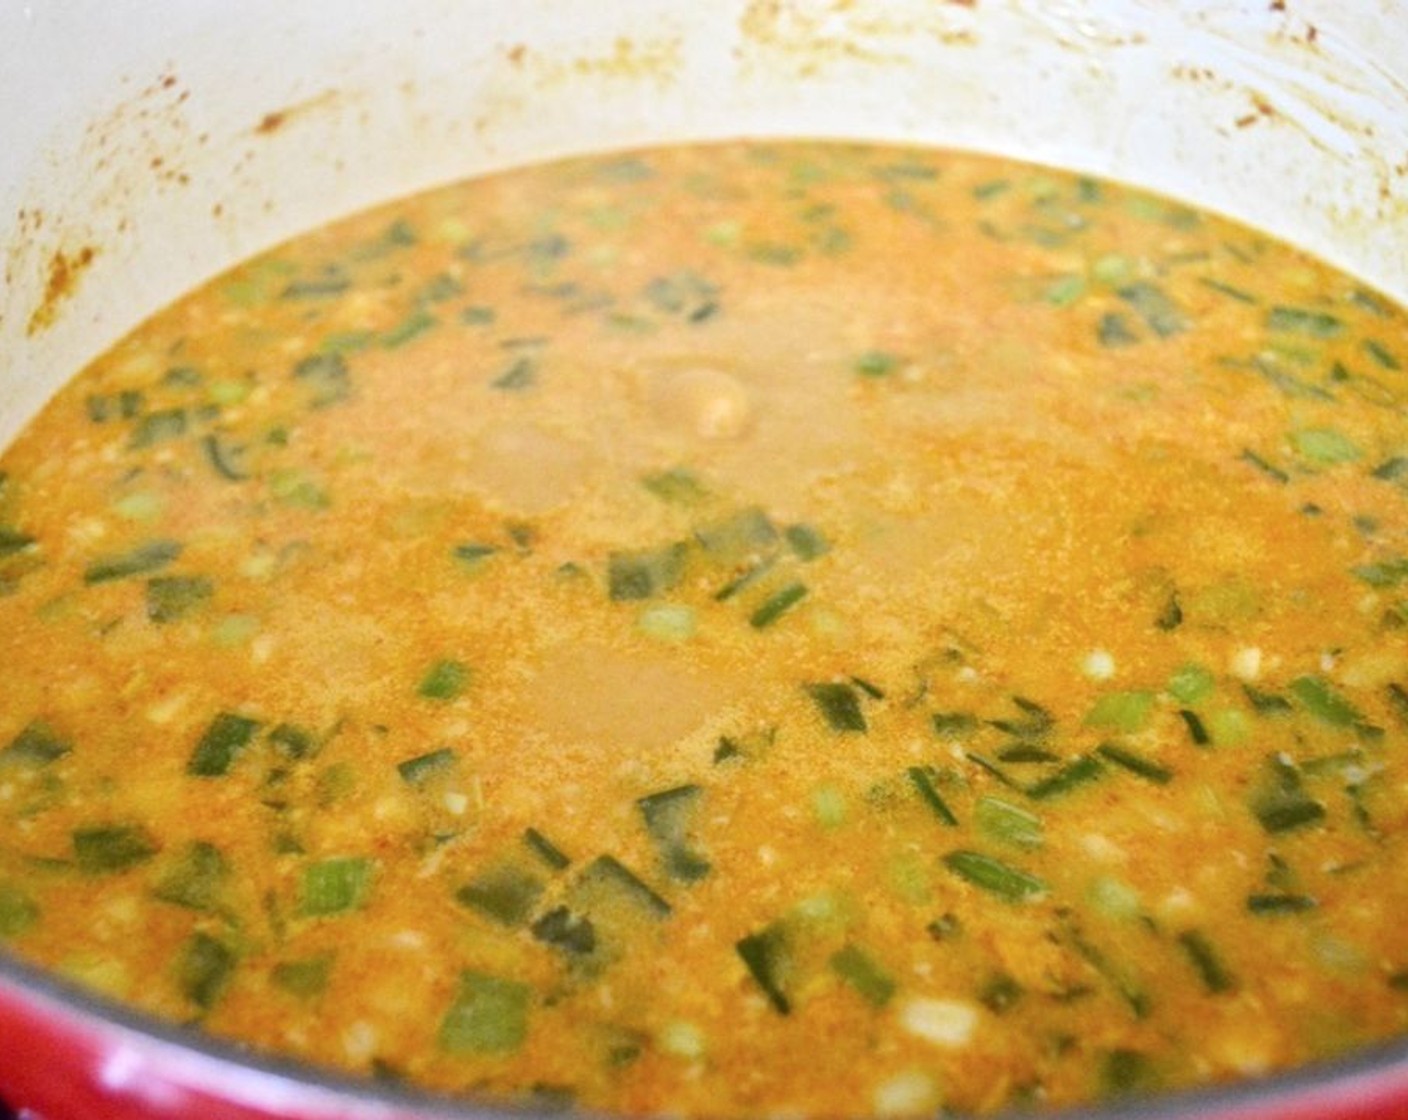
[[1216, 979], [1069, 777], [145, 558], [856, 968], [1325, 446], [777, 605], [1007, 823], [545, 849], [444, 681], [204, 968], [1153, 305], [1280, 903], [1299, 320], [1191, 683], [929, 794], [423, 767], [158, 427], [992, 875], [1135, 763]]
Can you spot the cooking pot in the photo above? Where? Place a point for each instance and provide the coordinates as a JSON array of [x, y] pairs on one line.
[[147, 146]]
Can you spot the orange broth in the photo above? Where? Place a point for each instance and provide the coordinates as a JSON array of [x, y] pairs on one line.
[[753, 629]]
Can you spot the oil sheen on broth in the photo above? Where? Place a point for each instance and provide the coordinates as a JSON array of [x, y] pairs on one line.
[[797, 629]]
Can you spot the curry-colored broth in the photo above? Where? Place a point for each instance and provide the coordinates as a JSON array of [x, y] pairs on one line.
[[791, 629]]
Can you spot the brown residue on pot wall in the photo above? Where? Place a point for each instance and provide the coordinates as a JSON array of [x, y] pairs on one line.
[[275, 120], [64, 272]]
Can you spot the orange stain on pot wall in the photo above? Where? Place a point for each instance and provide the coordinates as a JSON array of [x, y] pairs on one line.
[[64, 271]]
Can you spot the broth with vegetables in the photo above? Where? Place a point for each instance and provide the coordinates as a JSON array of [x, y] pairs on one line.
[[760, 628]]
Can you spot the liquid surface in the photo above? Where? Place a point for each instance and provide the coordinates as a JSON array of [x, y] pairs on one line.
[[788, 629]]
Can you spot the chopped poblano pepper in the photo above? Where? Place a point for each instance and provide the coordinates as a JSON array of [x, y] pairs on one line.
[[1114, 331], [839, 705], [776, 605], [806, 542], [306, 977], [203, 968], [856, 968], [505, 893], [170, 598], [746, 534], [158, 427], [224, 740], [12, 541], [545, 849], [489, 1015], [444, 681], [876, 363], [423, 767], [678, 485], [109, 849], [1011, 884], [1074, 774], [327, 378], [292, 741], [954, 725], [645, 573], [149, 557], [1281, 804], [36, 745], [519, 375], [608, 880], [768, 959], [18, 912], [667, 818], [1153, 305], [196, 879], [335, 886], [1000, 993], [567, 932], [929, 794]]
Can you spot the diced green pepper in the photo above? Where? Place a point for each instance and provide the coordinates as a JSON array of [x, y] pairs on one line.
[[489, 1015], [335, 886], [224, 740]]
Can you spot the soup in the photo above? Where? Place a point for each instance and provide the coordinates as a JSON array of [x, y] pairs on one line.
[[759, 628]]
